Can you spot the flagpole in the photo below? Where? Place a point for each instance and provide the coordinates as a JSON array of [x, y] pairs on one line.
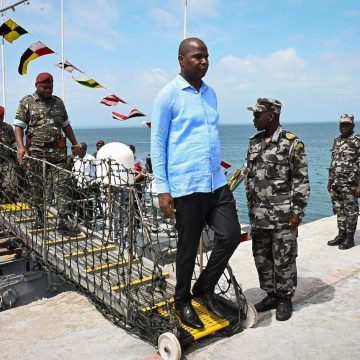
[[3, 70], [62, 52], [185, 17]]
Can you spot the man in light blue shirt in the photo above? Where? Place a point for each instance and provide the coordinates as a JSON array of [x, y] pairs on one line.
[[186, 156]]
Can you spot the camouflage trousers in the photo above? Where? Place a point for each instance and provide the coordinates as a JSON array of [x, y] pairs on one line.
[[9, 181], [275, 252], [345, 206], [49, 186]]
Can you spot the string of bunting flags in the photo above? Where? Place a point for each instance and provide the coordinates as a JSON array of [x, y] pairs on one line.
[[11, 31]]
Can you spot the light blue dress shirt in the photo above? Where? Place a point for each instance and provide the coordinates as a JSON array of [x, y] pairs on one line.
[[185, 144]]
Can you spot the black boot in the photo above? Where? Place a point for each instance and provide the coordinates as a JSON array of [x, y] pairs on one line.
[[347, 243], [339, 239], [268, 303], [284, 309]]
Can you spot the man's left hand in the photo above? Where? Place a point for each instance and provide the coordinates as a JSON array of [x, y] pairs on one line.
[[294, 223]]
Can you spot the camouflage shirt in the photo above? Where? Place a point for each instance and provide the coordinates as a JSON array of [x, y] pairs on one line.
[[7, 135], [345, 161], [277, 184], [44, 120]]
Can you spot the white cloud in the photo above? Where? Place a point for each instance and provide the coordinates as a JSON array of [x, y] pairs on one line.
[[154, 78], [282, 66], [95, 24], [204, 7], [164, 18]]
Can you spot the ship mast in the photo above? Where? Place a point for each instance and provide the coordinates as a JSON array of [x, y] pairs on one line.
[[185, 17], [2, 10]]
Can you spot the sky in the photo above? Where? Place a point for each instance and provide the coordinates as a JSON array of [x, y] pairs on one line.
[[304, 53]]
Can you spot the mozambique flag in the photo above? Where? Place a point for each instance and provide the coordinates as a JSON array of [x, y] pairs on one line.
[[11, 31], [91, 83], [132, 113], [34, 51]]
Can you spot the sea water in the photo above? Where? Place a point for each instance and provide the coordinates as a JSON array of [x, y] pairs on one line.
[[317, 137]]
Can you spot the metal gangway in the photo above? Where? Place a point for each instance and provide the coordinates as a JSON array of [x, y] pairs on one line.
[[123, 258]]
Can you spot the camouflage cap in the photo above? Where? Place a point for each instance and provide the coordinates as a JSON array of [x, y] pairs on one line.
[[266, 104], [347, 118]]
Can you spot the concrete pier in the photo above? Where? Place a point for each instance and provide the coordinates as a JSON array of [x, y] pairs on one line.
[[325, 323]]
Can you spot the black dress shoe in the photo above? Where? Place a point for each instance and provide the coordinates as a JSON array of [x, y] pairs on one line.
[[284, 309], [268, 303], [211, 303], [188, 315]]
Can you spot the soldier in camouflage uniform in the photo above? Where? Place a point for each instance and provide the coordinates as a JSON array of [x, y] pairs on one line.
[[7, 166], [44, 117], [277, 189], [344, 182]]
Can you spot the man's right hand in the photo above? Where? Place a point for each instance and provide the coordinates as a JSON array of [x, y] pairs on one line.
[[167, 205], [20, 154]]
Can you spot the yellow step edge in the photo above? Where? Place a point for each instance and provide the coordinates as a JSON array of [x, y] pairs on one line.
[[41, 230], [112, 265], [158, 305], [14, 207], [144, 280], [66, 239], [91, 251], [210, 321], [32, 218]]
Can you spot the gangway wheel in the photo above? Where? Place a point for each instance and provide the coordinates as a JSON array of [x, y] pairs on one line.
[[169, 346], [251, 316]]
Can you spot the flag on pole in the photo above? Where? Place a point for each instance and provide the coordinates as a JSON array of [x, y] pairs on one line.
[[132, 113], [111, 100], [91, 83], [34, 51], [11, 31], [147, 123], [67, 66]]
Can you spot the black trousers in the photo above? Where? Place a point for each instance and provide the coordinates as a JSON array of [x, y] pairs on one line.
[[218, 211]]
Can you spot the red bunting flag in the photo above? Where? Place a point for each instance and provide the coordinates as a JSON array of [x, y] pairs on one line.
[[147, 123], [132, 113], [111, 100], [225, 165]]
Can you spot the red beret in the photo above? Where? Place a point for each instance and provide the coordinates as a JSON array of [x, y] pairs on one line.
[[44, 77], [2, 110]]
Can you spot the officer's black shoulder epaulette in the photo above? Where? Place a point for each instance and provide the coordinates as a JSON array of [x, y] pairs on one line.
[[26, 97], [56, 98]]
